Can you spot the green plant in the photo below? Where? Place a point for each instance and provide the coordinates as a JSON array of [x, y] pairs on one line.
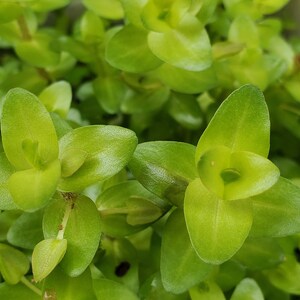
[[124, 174]]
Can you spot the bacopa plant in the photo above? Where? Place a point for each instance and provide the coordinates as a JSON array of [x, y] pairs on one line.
[[149, 150]]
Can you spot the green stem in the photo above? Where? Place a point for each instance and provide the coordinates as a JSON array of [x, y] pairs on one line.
[[31, 286], [70, 198], [24, 28]]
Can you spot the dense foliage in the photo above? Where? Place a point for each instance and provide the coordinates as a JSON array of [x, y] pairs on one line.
[[149, 150]]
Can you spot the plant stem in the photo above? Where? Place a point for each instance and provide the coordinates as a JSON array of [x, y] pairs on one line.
[[31, 286], [70, 199], [24, 28]]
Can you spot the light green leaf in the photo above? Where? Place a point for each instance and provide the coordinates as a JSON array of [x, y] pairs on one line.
[[108, 289], [115, 203], [247, 289], [13, 264], [110, 92], [207, 290], [128, 50], [257, 254], [37, 51], [22, 116], [91, 28], [111, 9], [26, 231], [185, 81], [217, 228], [19, 291], [269, 6], [133, 10], [82, 231], [181, 267], [9, 11], [31, 189], [57, 98], [153, 166], [236, 175], [63, 287], [276, 212], [241, 123], [46, 256], [48, 5], [7, 218], [193, 50], [162, 16], [94, 153], [6, 170]]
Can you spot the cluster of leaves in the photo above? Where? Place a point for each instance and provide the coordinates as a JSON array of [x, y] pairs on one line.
[[111, 211]]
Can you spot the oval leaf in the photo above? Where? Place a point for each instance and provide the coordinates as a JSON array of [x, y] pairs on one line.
[[128, 50], [82, 231], [13, 264], [241, 123], [181, 267], [31, 189], [46, 256], [247, 289], [23, 136], [217, 228], [153, 165], [193, 50], [93, 153], [57, 98]]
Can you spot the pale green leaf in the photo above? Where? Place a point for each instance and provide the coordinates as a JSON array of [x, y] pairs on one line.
[[111, 9], [217, 228], [128, 50], [276, 212], [57, 98], [247, 289], [207, 290], [94, 153], [46, 256], [241, 123], [31, 189], [153, 166], [181, 267], [91, 28], [14, 264], [22, 116], [133, 10], [191, 41], [115, 203], [48, 5], [185, 81], [236, 175], [18, 291], [82, 231]]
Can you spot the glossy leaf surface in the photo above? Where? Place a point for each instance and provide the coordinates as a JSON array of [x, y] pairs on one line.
[[31, 189], [193, 51], [25, 142], [93, 153], [236, 175], [57, 98], [181, 267], [82, 231], [46, 256], [153, 165], [241, 123], [217, 228]]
